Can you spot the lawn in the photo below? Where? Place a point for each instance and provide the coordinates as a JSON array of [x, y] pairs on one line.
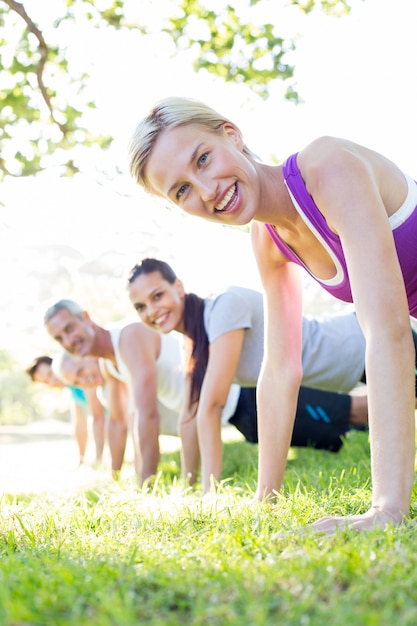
[[121, 556]]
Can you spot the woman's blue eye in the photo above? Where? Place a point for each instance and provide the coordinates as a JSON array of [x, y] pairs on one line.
[[203, 158], [181, 191]]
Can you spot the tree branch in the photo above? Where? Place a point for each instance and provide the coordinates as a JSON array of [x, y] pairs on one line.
[[43, 51]]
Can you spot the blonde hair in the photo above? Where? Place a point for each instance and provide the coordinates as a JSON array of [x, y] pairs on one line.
[[167, 114], [58, 366]]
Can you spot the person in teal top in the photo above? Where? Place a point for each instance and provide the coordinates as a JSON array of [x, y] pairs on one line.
[[83, 402], [78, 396]]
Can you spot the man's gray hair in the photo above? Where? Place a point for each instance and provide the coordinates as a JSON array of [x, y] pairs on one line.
[[63, 305]]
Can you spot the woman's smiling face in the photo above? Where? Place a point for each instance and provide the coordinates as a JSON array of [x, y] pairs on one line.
[[160, 304], [205, 173]]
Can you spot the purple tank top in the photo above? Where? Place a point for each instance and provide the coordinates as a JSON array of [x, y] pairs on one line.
[[405, 237]]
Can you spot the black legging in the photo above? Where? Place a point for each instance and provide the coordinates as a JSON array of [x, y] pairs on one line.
[[321, 419]]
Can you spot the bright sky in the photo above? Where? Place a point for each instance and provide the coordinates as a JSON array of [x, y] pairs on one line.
[[355, 75]]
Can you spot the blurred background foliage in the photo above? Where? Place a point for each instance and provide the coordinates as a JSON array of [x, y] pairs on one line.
[[43, 101]]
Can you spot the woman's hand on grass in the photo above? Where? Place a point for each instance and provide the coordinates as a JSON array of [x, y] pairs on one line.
[[374, 518]]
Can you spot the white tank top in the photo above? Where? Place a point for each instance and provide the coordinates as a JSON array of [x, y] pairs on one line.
[[170, 381]]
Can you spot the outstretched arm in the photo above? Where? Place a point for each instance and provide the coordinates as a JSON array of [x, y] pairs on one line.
[[99, 420], [80, 427], [138, 348], [187, 430], [118, 422], [359, 214], [281, 371], [224, 354]]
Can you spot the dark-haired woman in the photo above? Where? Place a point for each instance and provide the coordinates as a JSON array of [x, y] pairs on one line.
[[225, 345]]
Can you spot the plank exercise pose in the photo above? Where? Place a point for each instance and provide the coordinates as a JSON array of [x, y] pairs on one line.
[[83, 402], [142, 373], [142, 377], [344, 213], [225, 345]]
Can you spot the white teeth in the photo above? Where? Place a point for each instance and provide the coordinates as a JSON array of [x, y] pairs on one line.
[[223, 204]]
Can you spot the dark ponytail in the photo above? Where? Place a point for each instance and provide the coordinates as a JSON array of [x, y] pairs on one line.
[[195, 330]]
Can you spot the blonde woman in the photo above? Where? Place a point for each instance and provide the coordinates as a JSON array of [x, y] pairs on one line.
[[340, 211]]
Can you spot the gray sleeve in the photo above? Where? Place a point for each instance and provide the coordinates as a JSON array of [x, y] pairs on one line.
[[225, 312]]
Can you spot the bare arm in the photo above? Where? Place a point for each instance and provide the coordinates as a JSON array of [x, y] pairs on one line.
[[80, 426], [117, 400], [77, 412], [358, 214], [281, 372], [99, 420], [117, 393], [138, 348], [94, 404], [224, 354], [190, 450]]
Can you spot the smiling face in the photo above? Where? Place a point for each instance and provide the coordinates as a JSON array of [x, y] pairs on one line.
[[160, 304], [82, 372], [206, 173], [74, 333]]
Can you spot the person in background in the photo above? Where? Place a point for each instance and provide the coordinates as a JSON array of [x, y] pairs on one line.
[[322, 417], [142, 373], [340, 211], [83, 402], [90, 371], [225, 345]]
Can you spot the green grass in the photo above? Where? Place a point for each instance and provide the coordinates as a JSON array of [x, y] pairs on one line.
[[122, 556]]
